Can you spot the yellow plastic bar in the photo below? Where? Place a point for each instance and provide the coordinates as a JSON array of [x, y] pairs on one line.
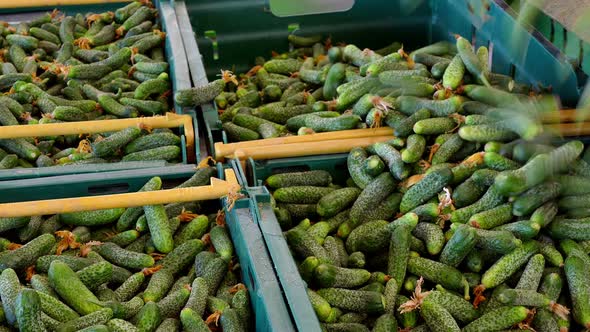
[[222, 150], [52, 3], [217, 189], [569, 115], [305, 149], [569, 129], [170, 120]]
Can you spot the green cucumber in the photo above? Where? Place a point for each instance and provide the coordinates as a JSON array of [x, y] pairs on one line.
[[356, 158], [531, 276], [432, 236], [492, 218], [415, 146], [70, 288], [440, 273], [168, 153], [27, 255], [317, 178], [301, 194], [125, 258], [192, 322], [471, 61], [575, 229], [459, 245], [392, 158], [91, 218], [399, 253], [498, 319], [459, 308], [327, 275], [9, 289], [437, 317], [508, 264], [354, 300], [425, 189]]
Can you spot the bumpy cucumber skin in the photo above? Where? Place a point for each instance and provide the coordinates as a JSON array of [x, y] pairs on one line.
[[318, 178], [336, 201], [531, 276], [301, 194], [91, 218], [578, 279], [508, 264], [26, 255], [399, 251], [438, 272], [461, 309], [159, 229], [67, 284], [425, 189], [354, 300], [356, 158], [458, 246], [124, 258], [498, 319], [376, 191], [393, 159], [437, 317]]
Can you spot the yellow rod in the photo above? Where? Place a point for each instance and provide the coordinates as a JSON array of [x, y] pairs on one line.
[[305, 149], [217, 189], [569, 115], [569, 129], [52, 3], [222, 150], [170, 120]]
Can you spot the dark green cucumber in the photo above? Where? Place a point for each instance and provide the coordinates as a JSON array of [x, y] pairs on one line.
[[440, 273], [354, 300]]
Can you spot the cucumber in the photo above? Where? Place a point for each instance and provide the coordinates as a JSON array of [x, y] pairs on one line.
[[437, 317], [425, 189], [508, 264], [489, 200], [373, 165], [148, 318], [317, 178], [446, 150], [438, 108], [415, 146], [91, 218], [531, 276], [492, 218], [434, 126], [577, 276], [21, 148], [393, 159], [192, 322], [27, 308], [168, 153], [327, 275], [498, 319], [301, 194], [354, 300], [405, 127], [70, 288], [575, 229], [114, 142], [356, 158], [222, 242], [459, 308], [471, 61], [323, 124], [499, 163], [377, 191], [533, 198], [432, 236], [56, 309], [499, 241], [125, 258], [369, 237], [459, 245], [305, 246], [96, 274], [26, 255], [453, 75], [440, 273], [9, 289], [399, 253], [336, 201]]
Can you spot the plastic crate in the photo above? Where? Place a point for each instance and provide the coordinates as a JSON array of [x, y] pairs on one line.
[[255, 31], [293, 285], [179, 77], [270, 312], [40, 172]]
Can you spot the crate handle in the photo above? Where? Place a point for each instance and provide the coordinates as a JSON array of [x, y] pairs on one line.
[[170, 120], [223, 150], [217, 189]]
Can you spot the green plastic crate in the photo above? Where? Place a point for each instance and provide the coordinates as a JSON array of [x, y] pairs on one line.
[[270, 312], [178, 73], [576, 48], [293, 286], [229, 34], [41, 172]]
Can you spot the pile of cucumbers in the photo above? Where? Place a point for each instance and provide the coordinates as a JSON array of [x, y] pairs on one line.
[[311, 90], [152, 268], [130, 144], [59, 68], [421, 239]]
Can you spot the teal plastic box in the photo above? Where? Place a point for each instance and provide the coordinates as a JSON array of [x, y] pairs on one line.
[[270, 312], [286, 269], [226, 34], [179, 76]]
